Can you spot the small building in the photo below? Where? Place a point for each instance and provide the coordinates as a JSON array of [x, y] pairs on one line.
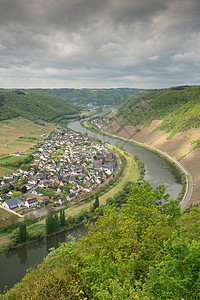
[[30, 203], [12, 203], [71, 197], [109, 155], [37, 191], [45, 201], [8, 176]]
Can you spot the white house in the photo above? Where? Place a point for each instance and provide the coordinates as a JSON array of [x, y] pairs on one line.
[[31, 202]]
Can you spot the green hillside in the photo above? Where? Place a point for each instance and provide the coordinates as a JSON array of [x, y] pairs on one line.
[[178, 107], [84, 96], [33, 106], [147, 252]]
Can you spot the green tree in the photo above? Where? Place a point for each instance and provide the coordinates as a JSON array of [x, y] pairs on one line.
[[62, 218], [122, 246], [113, 260], [4, 190], [49, 224], [16, 194], [22, 233], [52, 224], [96, 203], [144, 196], [55, 223], [50, 207], [178, 276]]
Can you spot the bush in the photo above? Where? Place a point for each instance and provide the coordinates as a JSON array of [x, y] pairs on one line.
[[35, 235]]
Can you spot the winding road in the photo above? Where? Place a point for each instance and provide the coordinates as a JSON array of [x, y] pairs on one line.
[[188, 176]]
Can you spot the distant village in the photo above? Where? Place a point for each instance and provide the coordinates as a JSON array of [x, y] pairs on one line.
[[66, 167], [100, 122]]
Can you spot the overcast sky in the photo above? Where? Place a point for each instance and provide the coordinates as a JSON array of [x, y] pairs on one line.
[[99, 43]]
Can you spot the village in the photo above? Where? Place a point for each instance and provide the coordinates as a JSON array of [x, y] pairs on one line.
[[66, 167], [100, 122]]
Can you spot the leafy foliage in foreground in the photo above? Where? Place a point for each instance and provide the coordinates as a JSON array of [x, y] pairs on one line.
[[178, 108], [33, 106], [144, 252]]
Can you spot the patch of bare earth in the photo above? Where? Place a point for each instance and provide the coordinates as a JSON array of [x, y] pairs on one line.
[[114, 126], [192, 163], [178, 146], [138, 132], [3, 240]]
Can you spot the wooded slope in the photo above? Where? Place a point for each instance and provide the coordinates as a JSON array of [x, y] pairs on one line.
[[84, 96], [33, 106]]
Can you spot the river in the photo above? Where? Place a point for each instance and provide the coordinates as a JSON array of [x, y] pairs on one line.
[[14, 263]]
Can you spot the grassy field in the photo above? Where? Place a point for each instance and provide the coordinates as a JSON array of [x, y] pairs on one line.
[[9, 159], [5, 213], [5, 170]]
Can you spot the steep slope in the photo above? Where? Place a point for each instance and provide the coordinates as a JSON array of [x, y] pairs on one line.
[[33, 106], [178, 108], [167, 119]]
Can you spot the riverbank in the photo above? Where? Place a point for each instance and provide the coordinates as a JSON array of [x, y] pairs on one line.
[[186, 177], [183, 146], [128, 172]]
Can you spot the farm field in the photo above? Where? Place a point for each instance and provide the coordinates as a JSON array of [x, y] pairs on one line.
[[18, 135], [4, 170]]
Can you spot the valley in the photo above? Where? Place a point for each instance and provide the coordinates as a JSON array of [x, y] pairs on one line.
[[152, 226], [173, 129]]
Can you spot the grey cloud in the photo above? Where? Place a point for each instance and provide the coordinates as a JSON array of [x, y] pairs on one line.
[[130, 42]]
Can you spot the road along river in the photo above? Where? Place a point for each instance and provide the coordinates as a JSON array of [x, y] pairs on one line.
[[14, 263], [158, 169]]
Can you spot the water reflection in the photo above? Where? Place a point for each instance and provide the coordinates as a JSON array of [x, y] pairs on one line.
[[39, 245], [14, 263], [55, 240], [23, 255]]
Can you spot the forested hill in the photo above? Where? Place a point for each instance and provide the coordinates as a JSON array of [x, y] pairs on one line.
[[110, 96], [33, 106], [177, 107]]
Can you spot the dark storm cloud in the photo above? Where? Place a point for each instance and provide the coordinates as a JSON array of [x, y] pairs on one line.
[[103, 43]]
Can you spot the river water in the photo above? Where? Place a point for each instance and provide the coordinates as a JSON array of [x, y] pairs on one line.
[[14, 263]]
